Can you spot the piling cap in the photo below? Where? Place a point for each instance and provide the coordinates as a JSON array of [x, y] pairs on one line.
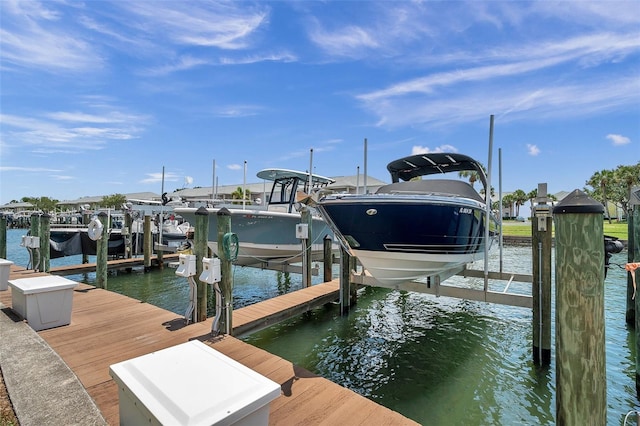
[[202, 211], [578, 202], [224, 212]]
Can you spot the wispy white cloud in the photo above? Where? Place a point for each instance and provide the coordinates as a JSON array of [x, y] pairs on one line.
[[618, 139], [261, 57], [28, 169], [33, 35], [156, 177], [225, 25], [234, 167], [183, 63], [533, 150], [70, 131], [418, 149], [237, 111]]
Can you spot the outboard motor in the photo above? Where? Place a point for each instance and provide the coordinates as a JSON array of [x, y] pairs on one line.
[[611, 245]]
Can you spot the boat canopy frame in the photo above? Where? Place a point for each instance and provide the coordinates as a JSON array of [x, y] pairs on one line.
[[413, 166]]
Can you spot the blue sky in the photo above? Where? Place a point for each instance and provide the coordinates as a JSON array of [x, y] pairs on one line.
[[97, 97]]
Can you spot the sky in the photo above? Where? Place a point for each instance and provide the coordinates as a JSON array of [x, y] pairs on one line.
[[99, 97]]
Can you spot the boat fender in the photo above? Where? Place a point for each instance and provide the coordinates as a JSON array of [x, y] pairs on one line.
[[95, 229], [230, 246]]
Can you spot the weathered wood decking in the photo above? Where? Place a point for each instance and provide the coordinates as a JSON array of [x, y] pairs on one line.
[[107, 328]]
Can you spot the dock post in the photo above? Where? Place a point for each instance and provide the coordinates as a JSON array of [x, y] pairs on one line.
[[306, 218], [633, 255], [102, 252], [201, 234], [148, 243], [630, 315], [128, 237], [348, 292], [34, 231], [226, 282], [45, 244], [327, 258], [581, 383], [541, 290], [86, 218], [3, 236]]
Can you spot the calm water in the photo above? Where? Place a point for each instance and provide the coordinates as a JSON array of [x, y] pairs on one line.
[[439, 361]]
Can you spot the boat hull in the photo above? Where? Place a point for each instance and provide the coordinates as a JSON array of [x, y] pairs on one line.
[[404, 238], [264, 236]]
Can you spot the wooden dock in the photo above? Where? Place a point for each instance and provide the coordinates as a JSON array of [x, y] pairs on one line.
[[107, 328]]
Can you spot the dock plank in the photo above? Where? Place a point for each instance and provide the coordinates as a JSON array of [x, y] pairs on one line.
[[107, 328]]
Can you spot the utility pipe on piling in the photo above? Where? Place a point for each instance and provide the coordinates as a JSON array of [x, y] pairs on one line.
[[201, 234], [581, 385]]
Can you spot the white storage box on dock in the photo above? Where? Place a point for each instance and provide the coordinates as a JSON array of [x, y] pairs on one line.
[[191, 384], [45, 302], [5, 270]]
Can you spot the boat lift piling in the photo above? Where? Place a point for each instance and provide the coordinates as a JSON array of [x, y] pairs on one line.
[[541, 246], [581, 382], [45, 235], [633, 253], [226, 283], [3, 236], [102, 252], [201, 230], [147, 246]]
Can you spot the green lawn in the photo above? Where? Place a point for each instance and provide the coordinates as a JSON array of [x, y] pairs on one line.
[[520, 229]]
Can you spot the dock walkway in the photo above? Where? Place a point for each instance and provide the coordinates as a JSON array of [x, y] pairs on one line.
[[107, 328]]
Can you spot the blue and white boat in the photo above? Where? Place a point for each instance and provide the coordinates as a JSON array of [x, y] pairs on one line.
[[268, 234], [414, 227]]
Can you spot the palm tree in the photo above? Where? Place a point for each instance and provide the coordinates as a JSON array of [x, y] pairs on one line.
[[237, 194], [601, 181], [471, 174], [519, 198]]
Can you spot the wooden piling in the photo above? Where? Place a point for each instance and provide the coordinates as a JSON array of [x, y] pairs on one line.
[[632, 256], [102, 252], [128, 235], [581, 385], [45, 245], [327, 258], [34, 231], [147, 245], [201, 233], [634, 250], [348, 294], [3, 236], [306, 218], [541, 227], [86, 218], [226, 282]]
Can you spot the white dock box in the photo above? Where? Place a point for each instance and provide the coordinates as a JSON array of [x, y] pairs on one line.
[[5, 270], [45, 302], [191, 384]]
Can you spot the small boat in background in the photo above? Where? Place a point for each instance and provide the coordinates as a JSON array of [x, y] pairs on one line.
[[269, 234], [414, 227]]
